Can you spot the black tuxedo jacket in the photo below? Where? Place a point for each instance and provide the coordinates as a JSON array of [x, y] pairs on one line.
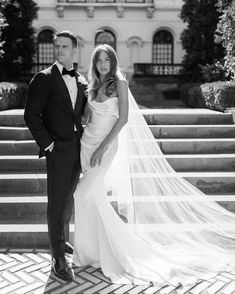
[[48, 111]]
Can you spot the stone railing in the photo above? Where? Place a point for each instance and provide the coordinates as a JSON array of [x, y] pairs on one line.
[[145, 69]]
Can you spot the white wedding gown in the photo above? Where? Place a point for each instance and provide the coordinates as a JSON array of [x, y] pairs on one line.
[[125, 253]]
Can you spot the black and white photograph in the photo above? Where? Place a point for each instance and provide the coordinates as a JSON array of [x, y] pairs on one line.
[[117, 146]]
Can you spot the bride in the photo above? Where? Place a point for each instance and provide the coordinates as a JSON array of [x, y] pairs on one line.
[[135, 218]]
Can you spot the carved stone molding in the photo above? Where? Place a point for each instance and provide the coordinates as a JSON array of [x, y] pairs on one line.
[[120, 11], [150, 11], [90, 11], [60, 11], [135, 39]]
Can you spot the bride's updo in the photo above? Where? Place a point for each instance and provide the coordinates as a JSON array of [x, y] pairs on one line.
[[110, 82]]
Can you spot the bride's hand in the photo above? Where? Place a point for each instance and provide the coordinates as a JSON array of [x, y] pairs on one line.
[[97, 156]]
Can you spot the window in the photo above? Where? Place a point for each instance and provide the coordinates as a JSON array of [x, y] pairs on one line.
[[106, 37], [163, 47], [45, 47]]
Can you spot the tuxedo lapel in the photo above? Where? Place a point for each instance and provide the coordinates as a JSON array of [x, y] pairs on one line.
[[62, 86]]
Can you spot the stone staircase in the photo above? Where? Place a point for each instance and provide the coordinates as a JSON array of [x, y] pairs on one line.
[[198, 143]]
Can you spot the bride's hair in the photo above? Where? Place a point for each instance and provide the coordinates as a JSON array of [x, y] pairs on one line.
[[110, 82]]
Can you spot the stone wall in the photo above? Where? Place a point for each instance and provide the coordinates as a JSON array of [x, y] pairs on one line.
[[133, 26]]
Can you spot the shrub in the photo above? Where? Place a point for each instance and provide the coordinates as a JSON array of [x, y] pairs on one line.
[[3, 24], [225, 34], [201, 18], [12, 95], [219, 95], [213, 72], [188, 99], [215, 96], [18, 39]]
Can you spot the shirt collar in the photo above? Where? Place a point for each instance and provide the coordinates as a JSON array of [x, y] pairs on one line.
[[60, 66]]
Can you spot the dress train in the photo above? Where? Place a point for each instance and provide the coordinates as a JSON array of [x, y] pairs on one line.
[[126, 255]]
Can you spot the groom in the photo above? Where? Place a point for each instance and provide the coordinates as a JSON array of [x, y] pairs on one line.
[[53, 111]]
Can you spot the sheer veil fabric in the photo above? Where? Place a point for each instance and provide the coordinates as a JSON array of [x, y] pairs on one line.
[[161, 207], [167, 231]]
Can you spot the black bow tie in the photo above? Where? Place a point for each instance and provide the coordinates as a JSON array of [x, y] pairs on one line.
[[68, 72]]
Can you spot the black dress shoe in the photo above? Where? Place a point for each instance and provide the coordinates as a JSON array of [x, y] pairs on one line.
[[62, 270], [68, 248]]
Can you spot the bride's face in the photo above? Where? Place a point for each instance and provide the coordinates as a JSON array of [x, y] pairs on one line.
[[103, 64]]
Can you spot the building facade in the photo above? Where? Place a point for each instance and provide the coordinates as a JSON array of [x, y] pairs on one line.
[[143, 32]]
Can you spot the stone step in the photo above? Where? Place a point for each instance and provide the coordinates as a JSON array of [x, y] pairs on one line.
[[168, 146], [23, 183], [22, 163], [26, 235], [195, 146], [205, 163], [196, 162], [193, 131], [28, 210], [180, 162], [186, 116], [10, 147], [19, 209], [209, 183], [15, 133], [180, 116], [159, 131], [13, 117]]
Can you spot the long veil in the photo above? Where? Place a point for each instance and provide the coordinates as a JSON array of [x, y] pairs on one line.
[[159, 205]]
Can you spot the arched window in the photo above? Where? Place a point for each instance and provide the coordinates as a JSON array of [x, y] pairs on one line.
[[163, 47], [106, 37], [45, 47]]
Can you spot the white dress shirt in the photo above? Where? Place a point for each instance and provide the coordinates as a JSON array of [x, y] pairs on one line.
[[70, 83]]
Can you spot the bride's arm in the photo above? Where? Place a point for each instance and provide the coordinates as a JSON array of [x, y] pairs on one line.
[[85, 115], [122, 92]]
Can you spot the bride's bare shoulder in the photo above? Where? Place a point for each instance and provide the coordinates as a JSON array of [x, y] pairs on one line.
[[122, 82]]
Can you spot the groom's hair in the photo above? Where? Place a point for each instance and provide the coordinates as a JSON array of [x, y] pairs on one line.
[[67, 34]]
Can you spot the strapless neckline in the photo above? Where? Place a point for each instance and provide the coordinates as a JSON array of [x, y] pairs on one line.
[[104, 100]]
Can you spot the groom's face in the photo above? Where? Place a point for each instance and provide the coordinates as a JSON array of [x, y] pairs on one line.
[[64, 51]]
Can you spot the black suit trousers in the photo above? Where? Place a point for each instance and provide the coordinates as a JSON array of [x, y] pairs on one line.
[[63, 171]]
